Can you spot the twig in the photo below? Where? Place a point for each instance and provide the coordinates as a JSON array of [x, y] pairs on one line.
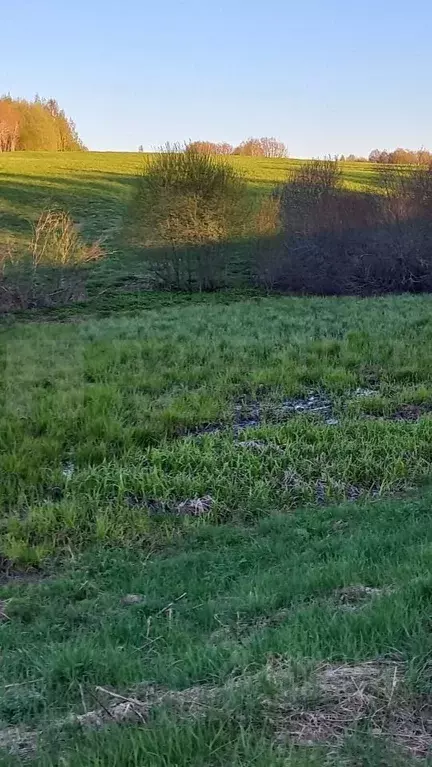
[[171, 604], [82, 698], [107, 711], [18, 684], [394, 683], [135, 701]]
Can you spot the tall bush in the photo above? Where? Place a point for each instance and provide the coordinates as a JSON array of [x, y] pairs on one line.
[[188, 205]]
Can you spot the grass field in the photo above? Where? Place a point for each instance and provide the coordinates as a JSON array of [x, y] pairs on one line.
[[114, 428], [215, 526], [95, 186]]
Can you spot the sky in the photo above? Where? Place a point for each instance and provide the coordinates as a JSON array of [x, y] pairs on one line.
[[324, 76]]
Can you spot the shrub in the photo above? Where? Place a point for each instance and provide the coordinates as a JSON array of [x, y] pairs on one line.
[[336, 241], [189, 205], [52, 271]]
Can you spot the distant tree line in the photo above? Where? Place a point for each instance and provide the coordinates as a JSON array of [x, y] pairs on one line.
[[401, 156], [267, 146], [398, 156], [38, 125]]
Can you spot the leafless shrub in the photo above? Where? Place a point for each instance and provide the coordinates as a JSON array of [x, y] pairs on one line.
[[52, 271]]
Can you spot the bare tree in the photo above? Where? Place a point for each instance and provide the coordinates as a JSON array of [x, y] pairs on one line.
[[224, 148], [273, 148], [252, 147]]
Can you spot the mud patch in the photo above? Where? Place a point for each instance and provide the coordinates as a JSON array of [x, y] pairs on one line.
[[249, 413], [191, 507], [411, 412], [255, 413], [19, 742], [10, 574], [325, 491]]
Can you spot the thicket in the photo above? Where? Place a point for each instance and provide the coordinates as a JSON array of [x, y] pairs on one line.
[[197, 227], [335, 241]]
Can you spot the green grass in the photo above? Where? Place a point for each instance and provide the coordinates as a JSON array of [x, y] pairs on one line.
[[120, 398], [95, 187], [248, 595], [99, 446], [129, 406]]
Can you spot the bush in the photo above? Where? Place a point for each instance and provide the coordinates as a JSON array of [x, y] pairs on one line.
[[188, 205], [52, 271], [336, 241], [268, 246]]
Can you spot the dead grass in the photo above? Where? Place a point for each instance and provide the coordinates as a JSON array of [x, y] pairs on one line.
[[345, 696], [324, 710], [355, 597]]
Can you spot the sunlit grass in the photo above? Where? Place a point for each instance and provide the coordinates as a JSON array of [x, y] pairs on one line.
[[121, 400]]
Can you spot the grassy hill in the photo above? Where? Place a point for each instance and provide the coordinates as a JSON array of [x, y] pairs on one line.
[[95, 186]]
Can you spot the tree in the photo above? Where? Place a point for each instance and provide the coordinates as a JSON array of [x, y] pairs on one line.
[[424, 157], [252, 147], [378, 155], [262, 147], [141, 148], [224, 148], [9, 125], [273, 148]]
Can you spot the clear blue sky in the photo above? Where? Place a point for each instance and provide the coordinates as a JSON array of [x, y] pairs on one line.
[[325, 76]]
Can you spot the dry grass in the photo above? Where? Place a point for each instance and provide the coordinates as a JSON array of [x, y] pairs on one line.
[[325, 710], [346, 696]]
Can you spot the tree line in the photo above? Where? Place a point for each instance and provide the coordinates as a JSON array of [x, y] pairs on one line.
[[267, 146], [399, 156], [38, 125]]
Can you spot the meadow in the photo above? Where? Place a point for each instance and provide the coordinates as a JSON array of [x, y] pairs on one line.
[[215, 521], [95, 186]]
